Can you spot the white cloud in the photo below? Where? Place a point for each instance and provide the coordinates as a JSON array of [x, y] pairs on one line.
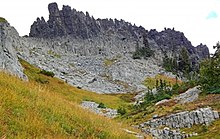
[[212, 15]]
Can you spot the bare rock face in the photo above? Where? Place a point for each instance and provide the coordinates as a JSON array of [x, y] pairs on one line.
[[8, 57]]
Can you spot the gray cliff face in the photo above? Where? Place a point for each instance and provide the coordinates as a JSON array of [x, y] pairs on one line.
[[8, 57]]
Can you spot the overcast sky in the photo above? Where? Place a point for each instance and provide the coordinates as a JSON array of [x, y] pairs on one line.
[[198, 19]]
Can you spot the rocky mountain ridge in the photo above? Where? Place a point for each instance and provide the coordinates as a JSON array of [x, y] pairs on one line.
[[96, 54], [69, 22], [79, 25]]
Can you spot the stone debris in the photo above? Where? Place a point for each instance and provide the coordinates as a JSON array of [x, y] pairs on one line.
[[167, 133], [137, 135], [94, 107]]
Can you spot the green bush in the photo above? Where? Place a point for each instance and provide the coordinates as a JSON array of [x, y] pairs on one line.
[[42, 81], [47, 73], [121, 110], [203, 129], [178, 89], [101, 105], [144, 52], [177, 109], [3, 20]]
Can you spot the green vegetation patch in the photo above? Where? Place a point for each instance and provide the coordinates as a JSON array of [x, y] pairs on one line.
[[54, 54], [144, 52], [47, 73], [3, 20], [151, 82]]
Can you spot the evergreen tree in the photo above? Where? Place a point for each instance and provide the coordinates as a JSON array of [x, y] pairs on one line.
[[184, 62], [210, 72]]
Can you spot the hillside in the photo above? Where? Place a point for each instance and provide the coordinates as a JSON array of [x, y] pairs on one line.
[[76, 76], [47, 107], [35, 110]]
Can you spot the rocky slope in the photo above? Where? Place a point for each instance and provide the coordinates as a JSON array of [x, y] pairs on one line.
[[96, 54], [8, 57]]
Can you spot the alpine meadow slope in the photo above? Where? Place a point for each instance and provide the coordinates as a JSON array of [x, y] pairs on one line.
[[62, 79]]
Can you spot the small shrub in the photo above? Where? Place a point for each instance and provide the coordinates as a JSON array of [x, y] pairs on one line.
[[203, 129], [47, 73], [121, 110], [177, 109], [42, 81], [3, 20], [213, 90], [109, 62], [54, 54], [144, 52], [136, 55], [149, 110], [101, 105]]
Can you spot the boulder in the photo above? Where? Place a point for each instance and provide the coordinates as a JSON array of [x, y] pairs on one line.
[[94, 107], [190, 95]]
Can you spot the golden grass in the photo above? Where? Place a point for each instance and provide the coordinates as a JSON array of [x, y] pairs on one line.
[[151, 81], [69, 92], [206, 132], [33, 110]]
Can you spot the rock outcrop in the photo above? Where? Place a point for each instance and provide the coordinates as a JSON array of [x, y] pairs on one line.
[[202, 51], [184, 119], [190, 95], [94, 107], [8, 57]]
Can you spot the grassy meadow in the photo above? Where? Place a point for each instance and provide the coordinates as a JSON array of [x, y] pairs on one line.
[[46, 107]]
